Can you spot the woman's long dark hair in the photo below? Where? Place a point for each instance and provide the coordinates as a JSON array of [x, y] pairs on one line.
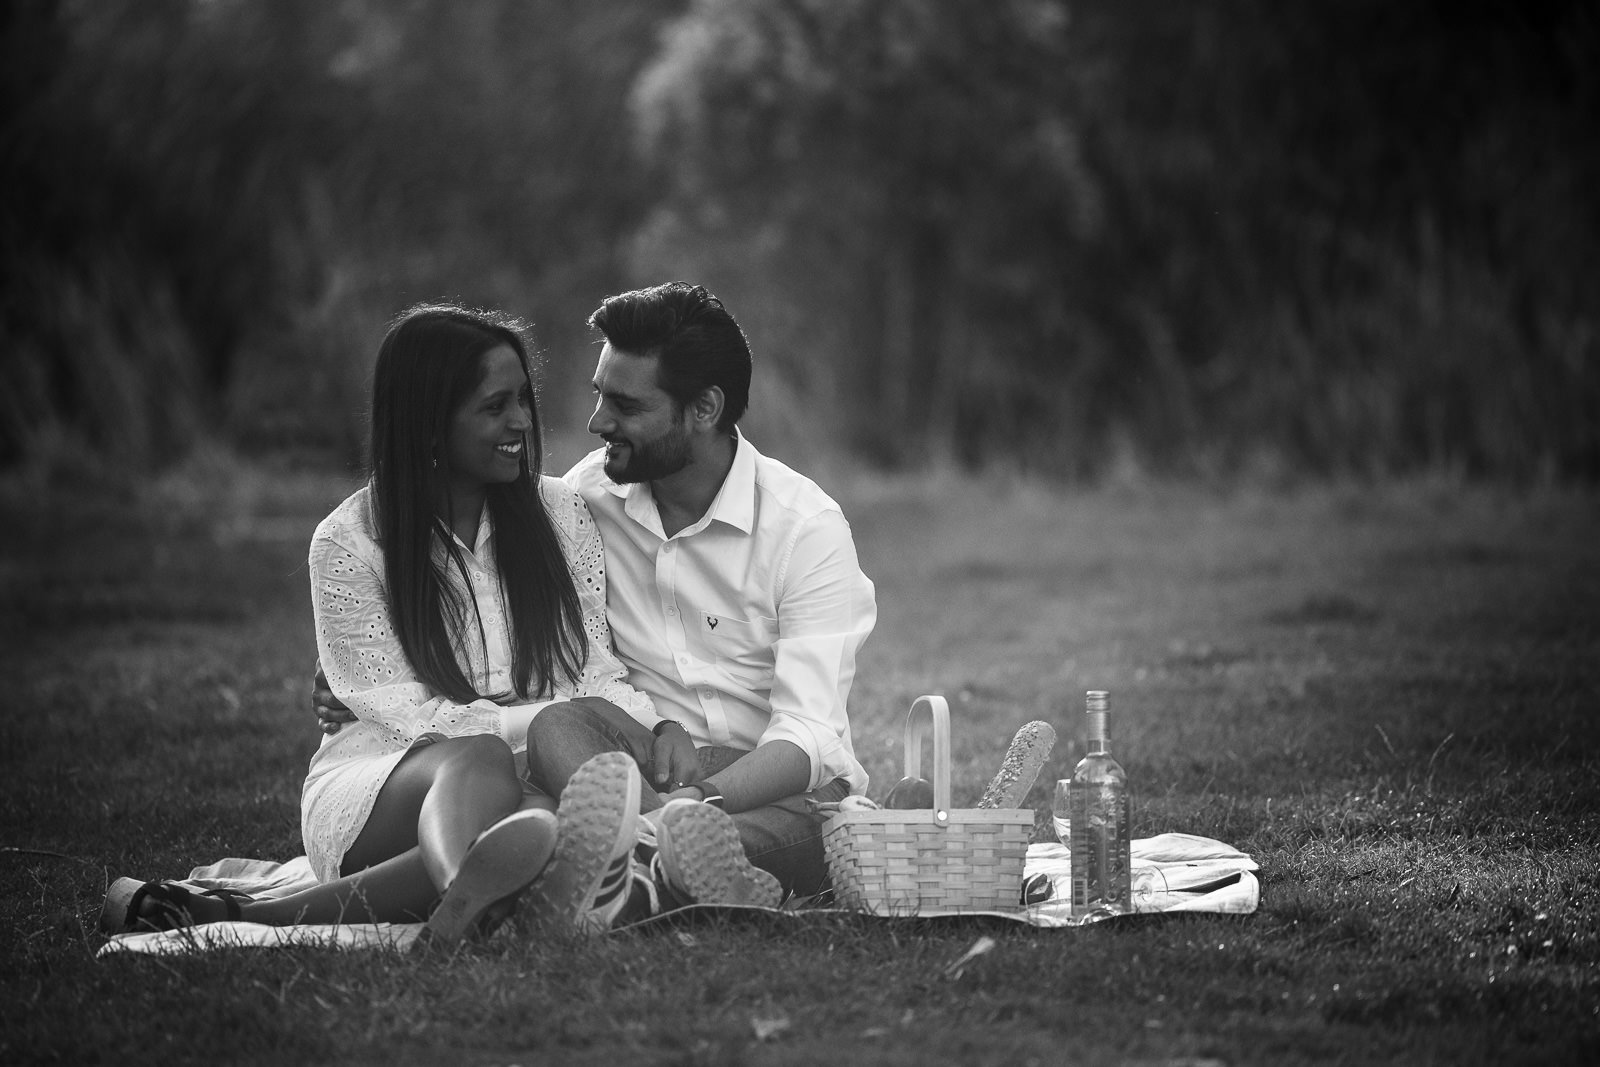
[[430, 362]]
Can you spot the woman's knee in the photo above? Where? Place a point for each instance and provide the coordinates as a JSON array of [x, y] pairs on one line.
[[480, 755]]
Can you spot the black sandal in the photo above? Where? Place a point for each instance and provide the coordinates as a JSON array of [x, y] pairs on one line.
[[127, 897]]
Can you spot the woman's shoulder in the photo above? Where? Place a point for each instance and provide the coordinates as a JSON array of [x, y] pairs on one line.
[[350, 523], [561, 499], [555, 491], [567, 511]]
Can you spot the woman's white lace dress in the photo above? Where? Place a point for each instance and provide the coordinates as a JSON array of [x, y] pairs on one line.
[[368, 670]]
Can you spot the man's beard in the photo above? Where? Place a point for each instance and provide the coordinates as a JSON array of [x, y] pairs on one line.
[[665, 455]]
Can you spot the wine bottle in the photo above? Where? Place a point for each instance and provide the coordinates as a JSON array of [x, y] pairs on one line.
[[1098, 806]]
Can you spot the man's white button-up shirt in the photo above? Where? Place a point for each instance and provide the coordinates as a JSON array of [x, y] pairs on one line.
[[744, 626]]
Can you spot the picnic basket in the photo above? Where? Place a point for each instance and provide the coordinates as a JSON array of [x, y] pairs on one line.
[[893, 861]]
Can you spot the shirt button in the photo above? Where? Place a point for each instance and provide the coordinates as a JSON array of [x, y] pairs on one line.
[[672, 611], [668, 547]]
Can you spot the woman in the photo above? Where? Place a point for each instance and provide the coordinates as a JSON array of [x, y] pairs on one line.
[[455, 598]]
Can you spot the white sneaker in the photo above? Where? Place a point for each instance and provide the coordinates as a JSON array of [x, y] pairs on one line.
[[699, 857], [587, 880], [499, 864]]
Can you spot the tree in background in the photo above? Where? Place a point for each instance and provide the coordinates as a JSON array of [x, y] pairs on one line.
[[910, 177], [217, 204], [1210, 236]]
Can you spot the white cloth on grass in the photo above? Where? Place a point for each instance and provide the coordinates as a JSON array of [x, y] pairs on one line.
[[1171, 873], [262, 880]]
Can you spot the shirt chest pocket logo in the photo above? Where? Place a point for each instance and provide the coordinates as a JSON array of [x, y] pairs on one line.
[[742, 647]]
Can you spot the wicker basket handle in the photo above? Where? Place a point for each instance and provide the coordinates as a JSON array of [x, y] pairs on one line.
[[916, 729]]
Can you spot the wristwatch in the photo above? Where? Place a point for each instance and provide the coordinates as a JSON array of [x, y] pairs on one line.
[[664, 723], [709, 794]]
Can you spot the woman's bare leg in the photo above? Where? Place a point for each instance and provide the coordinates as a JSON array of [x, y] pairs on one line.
[[396, 890], [438, 799]]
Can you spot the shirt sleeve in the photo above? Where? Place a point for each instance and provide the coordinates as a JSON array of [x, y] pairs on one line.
[[604, 674], [363, 660], [826, 610]]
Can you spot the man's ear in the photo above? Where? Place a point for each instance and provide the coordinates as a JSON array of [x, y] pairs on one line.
[[706, 409]]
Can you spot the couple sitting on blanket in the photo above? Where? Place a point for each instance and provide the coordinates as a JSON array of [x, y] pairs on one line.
[[593, 697]]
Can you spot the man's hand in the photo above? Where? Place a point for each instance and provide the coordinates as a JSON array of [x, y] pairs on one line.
[[331, 712], [674, 763]]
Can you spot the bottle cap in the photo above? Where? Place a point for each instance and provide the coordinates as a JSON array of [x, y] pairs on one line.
[[1097, 700]]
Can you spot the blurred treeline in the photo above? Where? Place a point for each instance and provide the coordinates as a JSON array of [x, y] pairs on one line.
[[1209, 237]]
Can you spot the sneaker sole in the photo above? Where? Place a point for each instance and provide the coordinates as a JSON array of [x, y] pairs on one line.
[[501, 863], [597, 813], [702, 857]]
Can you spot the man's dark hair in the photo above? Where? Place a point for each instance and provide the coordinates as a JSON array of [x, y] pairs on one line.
[[696, 341]]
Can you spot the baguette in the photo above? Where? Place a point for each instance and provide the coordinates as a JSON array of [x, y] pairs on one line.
[[1029, 749]]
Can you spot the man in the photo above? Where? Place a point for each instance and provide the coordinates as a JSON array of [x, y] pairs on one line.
[[734, 597]]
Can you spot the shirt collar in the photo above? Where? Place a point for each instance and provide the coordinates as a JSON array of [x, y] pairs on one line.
[[734, 504], [485, 532]]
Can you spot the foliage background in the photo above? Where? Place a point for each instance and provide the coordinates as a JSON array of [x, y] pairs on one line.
[[1071, 240], [1222, 240]]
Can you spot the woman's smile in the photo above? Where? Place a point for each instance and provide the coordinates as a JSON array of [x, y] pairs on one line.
[[488, 436]]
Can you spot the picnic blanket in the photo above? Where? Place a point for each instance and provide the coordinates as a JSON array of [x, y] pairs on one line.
[[1171, 873]]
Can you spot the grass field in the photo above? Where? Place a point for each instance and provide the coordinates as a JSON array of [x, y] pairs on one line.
[[1387, 696]]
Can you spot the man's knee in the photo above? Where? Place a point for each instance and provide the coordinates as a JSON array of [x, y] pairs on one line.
[[561, 738], [590, 724], [560, 718]]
